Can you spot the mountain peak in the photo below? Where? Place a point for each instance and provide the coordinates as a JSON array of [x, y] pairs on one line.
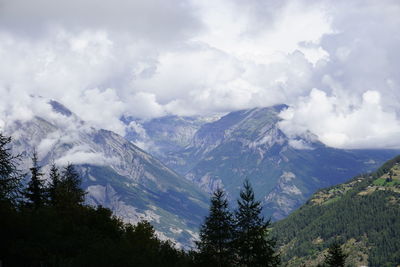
[[60, 108]]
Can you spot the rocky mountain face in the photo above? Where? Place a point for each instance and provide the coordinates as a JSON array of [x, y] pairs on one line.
[[116, 173], [166, 137], [362, 215], [249, 144]]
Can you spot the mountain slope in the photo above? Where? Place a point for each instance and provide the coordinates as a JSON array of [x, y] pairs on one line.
[[249, 144], [165, 137], [363, 214], [116, 173]]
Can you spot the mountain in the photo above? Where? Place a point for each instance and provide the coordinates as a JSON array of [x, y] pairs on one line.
[[166, 137], [362, 214], [249, 144], [116, 173]]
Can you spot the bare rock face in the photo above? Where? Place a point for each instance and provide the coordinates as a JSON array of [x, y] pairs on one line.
[[285, 196]]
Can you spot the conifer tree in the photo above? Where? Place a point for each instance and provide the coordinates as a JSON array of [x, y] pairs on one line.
[[336, 257], [54, 186], [252, 243], [215, 245], [10, 176], [69, 191], [35, 193]]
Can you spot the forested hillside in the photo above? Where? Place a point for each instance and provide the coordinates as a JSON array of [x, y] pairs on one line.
[[363, 215]]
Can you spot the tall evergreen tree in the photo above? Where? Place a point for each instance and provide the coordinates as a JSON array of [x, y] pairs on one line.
[[70, 192], [336, 257], [35, 192], [253, 245], [215, 245], [10, 176], [54, 186]]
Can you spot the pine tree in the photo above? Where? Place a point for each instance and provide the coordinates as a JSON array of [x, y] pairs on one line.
[[10, 176], [336, 256], [35, 192], [215, 245], [69, 191], [54, 186], [253, 245]]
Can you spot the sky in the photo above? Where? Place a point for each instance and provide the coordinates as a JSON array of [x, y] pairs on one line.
[[334, 63]]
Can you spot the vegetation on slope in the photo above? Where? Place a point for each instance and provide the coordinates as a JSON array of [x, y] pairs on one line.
[[363, 215]]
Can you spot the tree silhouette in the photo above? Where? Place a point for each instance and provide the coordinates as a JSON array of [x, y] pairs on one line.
[[68, 191], [35, 192], [54, 185], [10, 176], [215, 245], [253, 245]]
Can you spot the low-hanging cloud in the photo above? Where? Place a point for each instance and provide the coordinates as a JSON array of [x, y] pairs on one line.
[[148, 59]]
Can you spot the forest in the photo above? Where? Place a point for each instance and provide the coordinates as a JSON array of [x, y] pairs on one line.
[[366, 218]]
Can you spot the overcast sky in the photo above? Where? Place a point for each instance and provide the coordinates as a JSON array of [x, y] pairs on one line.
[[336, 63]]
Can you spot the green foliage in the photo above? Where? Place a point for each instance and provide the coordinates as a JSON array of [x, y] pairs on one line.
[[363, 212], [70, 191], [252, 244], [215, 245], [83, 236], [54, 185], [35, 192], [336, 257], [239, 239], [386, 182], [10, 176]]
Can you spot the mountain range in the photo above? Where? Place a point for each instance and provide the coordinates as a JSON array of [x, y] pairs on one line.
[[183, 159], [249, 144]]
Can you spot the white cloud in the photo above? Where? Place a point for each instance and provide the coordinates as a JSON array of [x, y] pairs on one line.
[[364, 123], [82, 157], [151, 58], [356, 104]]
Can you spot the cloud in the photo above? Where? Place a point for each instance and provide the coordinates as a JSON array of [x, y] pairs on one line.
[[145, 105], [82, 157], [150, 58], [73, 69], [356, 103], [262, 31], [153, 20], [344, 125]]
